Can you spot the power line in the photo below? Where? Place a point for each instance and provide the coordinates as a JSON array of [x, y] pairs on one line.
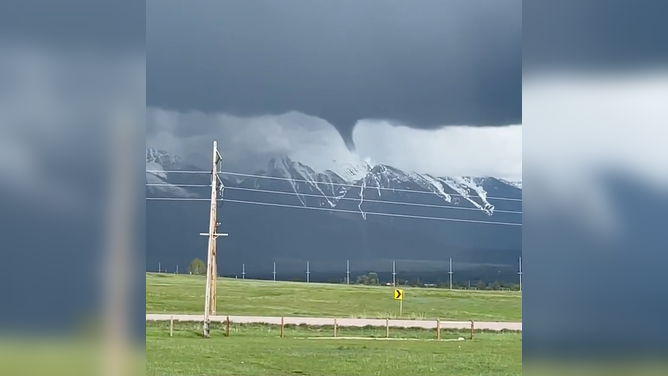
[[179, 199], [320, 182], [180, 185], [182, 171], [331, 197], [338, 210]]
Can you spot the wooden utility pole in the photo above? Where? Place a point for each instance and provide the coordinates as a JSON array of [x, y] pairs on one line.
[[212, 267]]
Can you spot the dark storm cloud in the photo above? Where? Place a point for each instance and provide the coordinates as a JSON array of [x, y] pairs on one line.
[[424, 63], [94, 24], [594, 33]]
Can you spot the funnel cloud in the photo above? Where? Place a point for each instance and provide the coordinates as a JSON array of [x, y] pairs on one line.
[[425, 64]]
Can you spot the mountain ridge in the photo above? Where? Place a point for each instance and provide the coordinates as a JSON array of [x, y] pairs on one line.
[[333, 187], [374, 213]]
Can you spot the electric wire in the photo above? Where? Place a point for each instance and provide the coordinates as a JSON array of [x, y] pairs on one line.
[[334, 210], [317, 182], [329, 197]]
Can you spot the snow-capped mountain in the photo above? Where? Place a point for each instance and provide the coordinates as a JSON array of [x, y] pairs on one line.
[[158, 161], [331, 185], [516, 184], [163, 178], [362, 211], [374, 182]]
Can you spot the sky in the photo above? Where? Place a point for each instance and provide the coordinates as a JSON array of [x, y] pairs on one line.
[[247, 144], [428, 65]]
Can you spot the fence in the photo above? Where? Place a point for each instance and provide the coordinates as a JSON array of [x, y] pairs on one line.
[[391, 272], [337, 326]]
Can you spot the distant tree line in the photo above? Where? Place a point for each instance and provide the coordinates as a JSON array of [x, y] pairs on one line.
[[198, 267], [372, 279]]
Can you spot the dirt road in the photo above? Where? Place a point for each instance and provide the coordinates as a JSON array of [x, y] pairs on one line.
[[346, 322]]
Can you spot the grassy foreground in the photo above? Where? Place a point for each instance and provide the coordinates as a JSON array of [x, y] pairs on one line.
[[169, 293], [257, 350]]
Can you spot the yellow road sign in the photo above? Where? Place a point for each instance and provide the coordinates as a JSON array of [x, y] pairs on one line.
[[399, 294]]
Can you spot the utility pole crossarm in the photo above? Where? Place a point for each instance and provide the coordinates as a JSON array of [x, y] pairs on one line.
[[214, 235]]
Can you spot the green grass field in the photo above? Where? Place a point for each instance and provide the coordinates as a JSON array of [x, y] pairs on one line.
[[169, 293], [257, 350]]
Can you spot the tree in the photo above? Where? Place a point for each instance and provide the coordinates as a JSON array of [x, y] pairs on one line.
[[197, 266], [496, 286], [481, 285], [370, 279]]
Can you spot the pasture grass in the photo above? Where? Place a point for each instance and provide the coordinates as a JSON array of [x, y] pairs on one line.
[[170, 293], [258, 350]]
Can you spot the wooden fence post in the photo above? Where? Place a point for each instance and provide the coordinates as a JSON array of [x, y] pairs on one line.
[[438, 329], [282, 327], [472, 329], [227, 326], [335, 325], [387, 328], [171, 326]]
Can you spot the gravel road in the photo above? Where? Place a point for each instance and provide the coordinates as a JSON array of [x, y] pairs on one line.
[[347, 322]]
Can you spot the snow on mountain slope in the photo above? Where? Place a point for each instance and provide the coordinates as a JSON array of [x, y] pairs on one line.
[[336, 182], [350, 171], [158, 162], [516, 184], [469, 190], [382, 177], [349, 180], [434, 185], [301, 180]]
